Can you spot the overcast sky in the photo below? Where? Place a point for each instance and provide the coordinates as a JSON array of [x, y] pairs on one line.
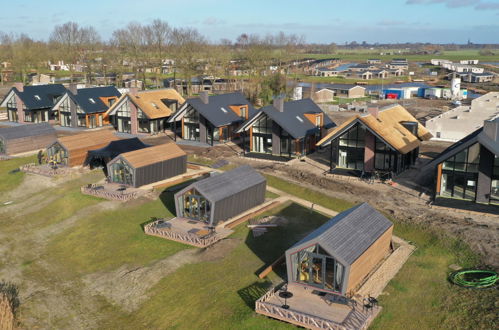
[[323, 21]]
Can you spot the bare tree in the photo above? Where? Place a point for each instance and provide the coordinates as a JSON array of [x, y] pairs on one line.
[[187, 44]]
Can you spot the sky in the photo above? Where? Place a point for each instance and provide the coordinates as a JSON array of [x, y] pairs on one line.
[[320, 21]]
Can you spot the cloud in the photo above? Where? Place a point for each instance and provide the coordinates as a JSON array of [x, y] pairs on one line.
[[487, 6]]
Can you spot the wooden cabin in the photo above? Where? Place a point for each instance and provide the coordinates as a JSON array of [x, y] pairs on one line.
[[221, 196], [339, 255], [26, 138], [147, 165], [72, 150]]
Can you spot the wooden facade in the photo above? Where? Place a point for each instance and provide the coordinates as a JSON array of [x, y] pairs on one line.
[[72, 150], [26, 138], [368, 260]]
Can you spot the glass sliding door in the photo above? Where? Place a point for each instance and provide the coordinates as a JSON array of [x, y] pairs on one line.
[[314, 267]]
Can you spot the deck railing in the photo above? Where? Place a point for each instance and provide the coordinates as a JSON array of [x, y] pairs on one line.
[[264, 307], [175, 235], [99, 191], [44, 170]]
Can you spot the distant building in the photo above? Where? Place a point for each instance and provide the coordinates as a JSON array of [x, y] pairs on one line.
[[373, 61], [471, 62], [459, 122], [347, 91]]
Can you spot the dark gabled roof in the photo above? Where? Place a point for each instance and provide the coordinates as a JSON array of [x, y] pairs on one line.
[[213, 110], [83, 96], [47, 94], [21, 131], [221, 186], [115, 148], [292, 119], [349, 234]]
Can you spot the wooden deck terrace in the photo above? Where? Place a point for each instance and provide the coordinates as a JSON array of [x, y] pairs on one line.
[[187, 231], [113, 191], [48, 170], [310, 310]]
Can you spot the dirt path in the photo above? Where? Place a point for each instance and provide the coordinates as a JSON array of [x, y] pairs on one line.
[[128, 286], [284, 197]]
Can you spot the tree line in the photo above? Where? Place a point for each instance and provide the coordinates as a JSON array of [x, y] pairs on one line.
[[137, 47]]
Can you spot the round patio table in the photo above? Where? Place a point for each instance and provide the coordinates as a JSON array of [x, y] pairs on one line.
[[286, 295]]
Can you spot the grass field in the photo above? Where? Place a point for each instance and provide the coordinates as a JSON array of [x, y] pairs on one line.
[[10, 181], [52, 250], [363, 55]]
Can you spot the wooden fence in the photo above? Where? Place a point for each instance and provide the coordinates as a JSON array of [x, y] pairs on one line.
[[182, 237]]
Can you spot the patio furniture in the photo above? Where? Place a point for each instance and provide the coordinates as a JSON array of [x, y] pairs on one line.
[[286, 295], [202, 233]]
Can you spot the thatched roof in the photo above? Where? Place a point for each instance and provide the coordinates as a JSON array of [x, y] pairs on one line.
[[388, 126]]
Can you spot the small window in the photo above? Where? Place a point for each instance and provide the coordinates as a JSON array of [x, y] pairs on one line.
[[318, 121], [223, 109], [299, 119], [91, 100], [37, 97], [155, 105], [243, 112]]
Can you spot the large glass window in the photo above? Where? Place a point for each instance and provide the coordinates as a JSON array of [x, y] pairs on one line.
[[194, 206], [121, 173], [313, 266], [262, 135], [351, 148], [56, 154], [384, 157], [191, 125], [460, 174]]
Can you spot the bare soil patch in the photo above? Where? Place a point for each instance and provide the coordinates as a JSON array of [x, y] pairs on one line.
[[128, 286]]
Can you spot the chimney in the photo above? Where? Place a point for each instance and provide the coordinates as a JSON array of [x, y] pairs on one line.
[[278, 103], [19, 86], [373, 110], [203, 96], [133, 91], [73, 88], [491, 129]]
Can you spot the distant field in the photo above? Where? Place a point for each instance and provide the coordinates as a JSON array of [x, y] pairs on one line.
[[455, 55]]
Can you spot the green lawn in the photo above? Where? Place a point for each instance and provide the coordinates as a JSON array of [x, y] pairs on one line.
[[11, 180], [332, 203], [363, 55], [220, 293]]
